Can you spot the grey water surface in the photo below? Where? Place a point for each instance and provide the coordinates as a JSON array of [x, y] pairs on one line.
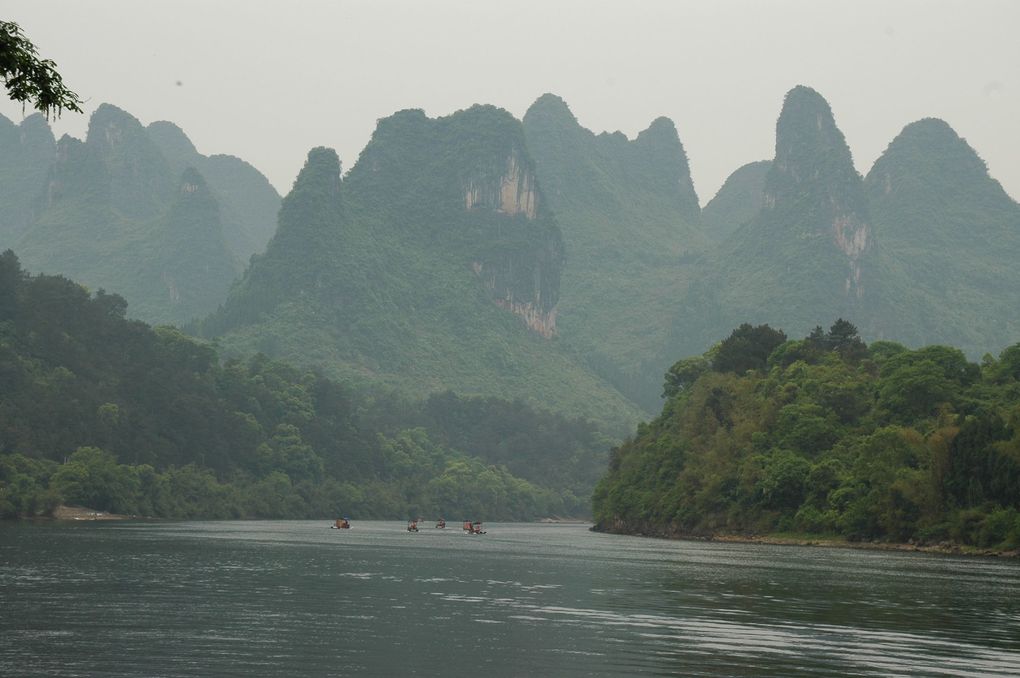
[[290, 598]]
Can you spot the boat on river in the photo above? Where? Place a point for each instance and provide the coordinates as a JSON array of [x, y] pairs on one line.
[[441, 523], [473, 527], [341, 524], [412, 525]]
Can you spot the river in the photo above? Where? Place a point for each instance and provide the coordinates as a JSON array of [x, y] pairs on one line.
[[283, 598]]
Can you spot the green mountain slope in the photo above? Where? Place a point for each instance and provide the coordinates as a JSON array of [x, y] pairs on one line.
[[112, 218], [921, 251], [809, 253], [737, 202], [116, 212], [629, 215], [248, 202], [434, 265], [26, 153], [953, 233]]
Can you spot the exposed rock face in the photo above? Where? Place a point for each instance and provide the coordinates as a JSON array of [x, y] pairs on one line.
[[513, 192], [466, 183], [542, 322], [537, 318]]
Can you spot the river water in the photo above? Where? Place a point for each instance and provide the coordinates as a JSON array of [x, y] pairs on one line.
[[289, 598]]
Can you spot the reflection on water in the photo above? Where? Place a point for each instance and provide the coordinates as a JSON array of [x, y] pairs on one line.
[[295, 598]]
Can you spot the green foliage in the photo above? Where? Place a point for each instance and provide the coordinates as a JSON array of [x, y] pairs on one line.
[[737, 202], [831, 437], [629, 214], [28, 78], [387, 276], [747, 348], [684, 373], [108, 413]]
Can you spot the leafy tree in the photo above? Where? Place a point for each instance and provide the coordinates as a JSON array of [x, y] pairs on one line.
[[683, 374], [28, 78], [747, 348], [878, 442], [110, 413], [782, 484]]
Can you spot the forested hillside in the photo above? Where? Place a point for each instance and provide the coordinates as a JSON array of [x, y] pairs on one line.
[[826, 435], [109, 413], [434, 264], [951, 235], [629, 216]]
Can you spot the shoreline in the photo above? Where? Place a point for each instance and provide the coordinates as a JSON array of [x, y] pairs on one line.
[[942, 548], [64, 512]]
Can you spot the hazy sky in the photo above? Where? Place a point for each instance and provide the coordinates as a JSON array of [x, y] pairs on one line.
[[266, 81]]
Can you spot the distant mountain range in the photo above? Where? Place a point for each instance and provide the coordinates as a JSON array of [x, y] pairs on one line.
[[133, 210], [919, 252], [525, 259]]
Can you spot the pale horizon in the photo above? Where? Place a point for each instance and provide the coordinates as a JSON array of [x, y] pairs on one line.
[[267, 83]]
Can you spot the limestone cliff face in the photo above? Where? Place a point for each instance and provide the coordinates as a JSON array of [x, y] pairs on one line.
[[812, 189], [520, 259], [465, 184], [512, 192]]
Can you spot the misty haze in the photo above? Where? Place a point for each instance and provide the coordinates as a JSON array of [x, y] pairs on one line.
[[573, 338]]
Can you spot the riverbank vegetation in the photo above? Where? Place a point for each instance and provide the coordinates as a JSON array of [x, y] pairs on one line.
[[826, 435], [115, 415]]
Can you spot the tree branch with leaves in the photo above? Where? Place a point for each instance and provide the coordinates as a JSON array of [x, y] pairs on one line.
[[28, 78]]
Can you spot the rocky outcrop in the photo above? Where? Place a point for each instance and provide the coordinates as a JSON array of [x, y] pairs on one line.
[[512, 192], [466, 185]]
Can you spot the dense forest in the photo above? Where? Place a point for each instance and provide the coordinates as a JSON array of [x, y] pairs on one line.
[[826, 435], [115, 415]]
